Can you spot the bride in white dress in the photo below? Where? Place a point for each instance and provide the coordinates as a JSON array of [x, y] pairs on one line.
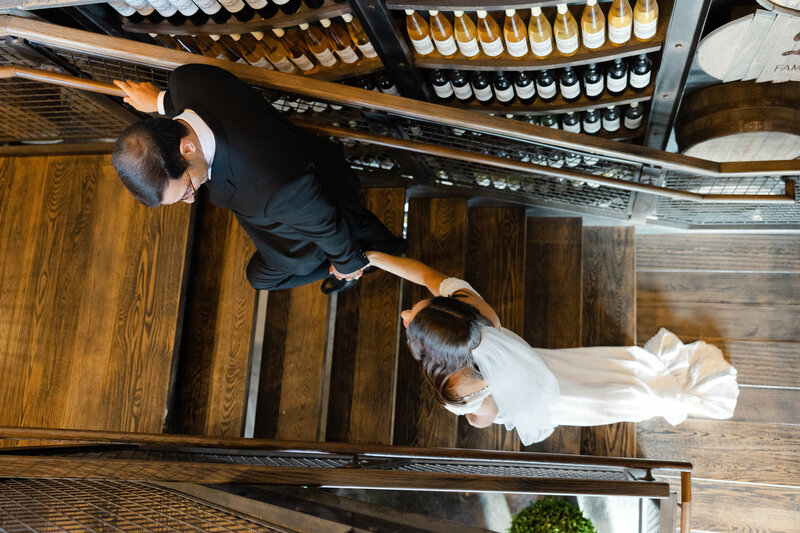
[[490, 375]]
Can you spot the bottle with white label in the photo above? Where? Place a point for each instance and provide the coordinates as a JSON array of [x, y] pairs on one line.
[[385, 85], [275, 53], [466, 35], [241, 11], [482, 88], [226, 51], [341, 42], [515, 34], [288, 7], [645, 19], [569, 84], [489, 35], [264, 8], [442, 86], [620, 22], [549, 121], [593, 82], [617, 77], [461, 87], [251, 50], [213, 9], [540, 33], [571, 121], [611, 118], [565, 30], [503, 88], [633, 116], [359, 37], [641, 70], [524, 87], [210, 47], [593, 26], [545, 86], [318, 44], [442, 33], [419, 32], [591, 121], [295, 52]]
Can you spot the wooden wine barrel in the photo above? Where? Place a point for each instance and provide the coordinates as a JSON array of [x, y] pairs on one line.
[[790, 7], [741, 121]]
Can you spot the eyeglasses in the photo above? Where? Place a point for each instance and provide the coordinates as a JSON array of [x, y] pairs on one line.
[[190, 190]]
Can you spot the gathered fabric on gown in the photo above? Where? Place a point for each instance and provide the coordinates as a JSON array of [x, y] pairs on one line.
[[537, 389]]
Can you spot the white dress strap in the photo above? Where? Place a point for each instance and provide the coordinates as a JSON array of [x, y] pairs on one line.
[[451, 285]]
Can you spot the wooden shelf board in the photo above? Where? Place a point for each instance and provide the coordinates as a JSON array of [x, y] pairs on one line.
[[559, 105], [329, 9], [340, 71]]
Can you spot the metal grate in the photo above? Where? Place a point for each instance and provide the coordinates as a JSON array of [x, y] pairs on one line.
[[81, 505], [725, 215], [514, 471]]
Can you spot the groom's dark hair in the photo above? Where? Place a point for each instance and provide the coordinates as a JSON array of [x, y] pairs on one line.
[[442, 336]]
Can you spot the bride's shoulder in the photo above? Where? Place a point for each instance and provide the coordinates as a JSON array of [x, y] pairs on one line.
[[461, 290]]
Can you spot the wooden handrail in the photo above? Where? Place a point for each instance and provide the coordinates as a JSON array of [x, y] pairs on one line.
[[429, 149], [156, 56]]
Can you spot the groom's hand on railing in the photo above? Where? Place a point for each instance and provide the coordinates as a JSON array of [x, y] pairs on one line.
[[143, 96]]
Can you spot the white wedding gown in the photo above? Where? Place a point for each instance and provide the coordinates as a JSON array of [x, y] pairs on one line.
[[537, 389]]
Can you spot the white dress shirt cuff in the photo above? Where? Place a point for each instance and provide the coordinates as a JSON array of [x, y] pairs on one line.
[[161, 110]]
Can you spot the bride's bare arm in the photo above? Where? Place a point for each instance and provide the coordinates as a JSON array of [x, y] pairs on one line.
[[409, 269]]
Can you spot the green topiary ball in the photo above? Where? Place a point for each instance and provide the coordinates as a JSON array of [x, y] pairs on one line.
[[551, 516]]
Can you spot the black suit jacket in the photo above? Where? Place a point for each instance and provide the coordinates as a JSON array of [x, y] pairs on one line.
[[286, 187]]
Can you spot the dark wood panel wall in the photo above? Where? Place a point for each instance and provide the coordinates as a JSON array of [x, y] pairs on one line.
[[90, 287]]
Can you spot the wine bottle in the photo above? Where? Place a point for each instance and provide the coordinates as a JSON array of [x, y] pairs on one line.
[[466, 35], [185, 43], [295, 52], [645, 19], [359, 37], [340, 41], [318, 44], [515, 34], [571, 122], [620, 22], [442, 33], [569, 84], [144, 12], [540, 33], [611, 118], [565, 30], [442, 86], [640, 73], [617, 77], [419, 32], [214, 10], [251, 50], [503, 88], [633, 116], [123, 8], [313, 4], [593, 25], [264, 8], [545, 86], [549, 121], [165, 9], [366, 83], [461, 87], [385, 85], [593, 84], [210, 47], [288, 7], [489, 35], [238, 9], [228, 42], [482, 88], [276, 53], [524, 87], [591, 121], [187, 8]]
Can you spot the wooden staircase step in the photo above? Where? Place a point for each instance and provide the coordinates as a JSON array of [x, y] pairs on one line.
[[361, 402], [496, 269], [437, 236], [609, 319], [553, 291]]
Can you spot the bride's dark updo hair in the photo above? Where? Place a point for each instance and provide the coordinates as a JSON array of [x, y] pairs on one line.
[[442, 336]]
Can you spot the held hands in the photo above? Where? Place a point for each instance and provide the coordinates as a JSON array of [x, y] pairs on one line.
[[142, 96]]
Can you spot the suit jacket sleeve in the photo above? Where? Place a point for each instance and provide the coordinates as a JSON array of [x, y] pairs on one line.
[[194, 81], [306, 208]]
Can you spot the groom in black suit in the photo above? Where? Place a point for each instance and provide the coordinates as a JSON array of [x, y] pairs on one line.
[[292, 192]]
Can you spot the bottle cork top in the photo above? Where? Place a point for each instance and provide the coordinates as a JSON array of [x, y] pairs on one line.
[[153, 35], [611, 107], [562, 8], [433, 12], [303, 26], [325, 22], [347, 17], [257, 34], [509, 115], [634, 104], [570, 112], [536, 11], [236, 36], [458, 13], [591, 3], [278, 32], [481, 14], [214, 36], [510, 12], [409, 11]]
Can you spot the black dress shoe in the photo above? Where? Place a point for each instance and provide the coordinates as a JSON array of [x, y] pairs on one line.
[[331, 285]]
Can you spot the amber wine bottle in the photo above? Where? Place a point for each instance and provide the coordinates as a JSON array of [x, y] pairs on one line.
[[209, 47], [515, 34], [419, 33], [359, 37], [442, 33], [340, 41], [565, 30], [295, 52], [540, 33], [489, 35], [620, 22], [593, 25], [318, 44], [645, 19], [466, 35], [275, 53], [222, 49], [251, 51]]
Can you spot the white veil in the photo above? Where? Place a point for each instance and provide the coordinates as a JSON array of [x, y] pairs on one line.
[[520, 382]]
